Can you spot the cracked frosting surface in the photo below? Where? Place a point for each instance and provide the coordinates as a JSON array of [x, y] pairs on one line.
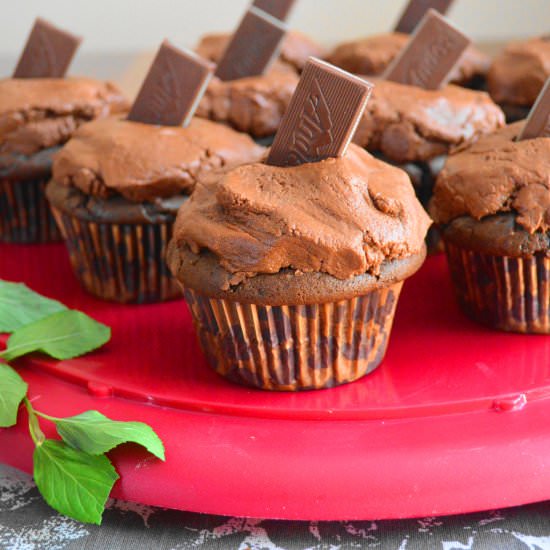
[[518, 74], [40, 113], [295, 49], [497, 175], [341, 216], [143, 162], [255, 104], [410, 124], [372, 55]]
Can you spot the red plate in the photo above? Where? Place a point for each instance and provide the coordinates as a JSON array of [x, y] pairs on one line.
[[455, 420]]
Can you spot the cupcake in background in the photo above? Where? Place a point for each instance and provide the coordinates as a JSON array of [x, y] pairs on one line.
[[492, 204], [118, 183], [371, 56], [517, 75], [414, 120], [292, 267], [251, 88], [39, 111]]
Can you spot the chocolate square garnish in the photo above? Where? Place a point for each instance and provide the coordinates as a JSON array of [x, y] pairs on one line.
[[253, 47], [172, 88], [538, 121], [322, 116], [277, 8], [428, 59], [47, 53], [416, 10]]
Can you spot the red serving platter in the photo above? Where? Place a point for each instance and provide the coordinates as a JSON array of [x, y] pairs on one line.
[[456, 419]]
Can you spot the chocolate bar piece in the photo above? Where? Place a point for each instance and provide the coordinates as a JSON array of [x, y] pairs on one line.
[[429, 57], [172, 88], [322, 116], [277, 8], [47, 53], [253, 47], [538, 121], [416, 10]]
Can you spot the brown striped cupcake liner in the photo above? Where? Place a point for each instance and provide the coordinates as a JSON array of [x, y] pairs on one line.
[[507, 293], [295, 347], [25, 215], [120, 262]]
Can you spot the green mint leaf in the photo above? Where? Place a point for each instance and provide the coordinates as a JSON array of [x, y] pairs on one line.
[[63, 335], [72, 482], [94, 433], [19, 306], [12, 391]]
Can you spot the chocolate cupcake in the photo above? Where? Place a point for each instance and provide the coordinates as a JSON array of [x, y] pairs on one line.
[[37, 116], [517, 75], [116, 188], [292, 274], [256, 75], [372, 56], [416, 129], [492, 203]]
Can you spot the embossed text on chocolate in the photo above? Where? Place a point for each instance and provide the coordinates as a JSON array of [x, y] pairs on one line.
[[322, 116], [314, 129], [421, 74]]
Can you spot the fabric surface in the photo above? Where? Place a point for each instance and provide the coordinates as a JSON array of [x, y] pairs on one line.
[[27, 523]]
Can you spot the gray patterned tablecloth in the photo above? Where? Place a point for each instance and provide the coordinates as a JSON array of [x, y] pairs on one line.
[[27, 523]]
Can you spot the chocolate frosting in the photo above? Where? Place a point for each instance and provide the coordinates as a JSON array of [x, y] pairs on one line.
[[409, 124], [341, 216], [255, 104], [518, 74], [40, 113], [295, 49], [497, 175], [143, 162], [372, 55]]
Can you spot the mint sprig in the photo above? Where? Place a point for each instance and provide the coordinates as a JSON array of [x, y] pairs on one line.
[[63, 335], [19, 306], [74, 475], [14, 389]]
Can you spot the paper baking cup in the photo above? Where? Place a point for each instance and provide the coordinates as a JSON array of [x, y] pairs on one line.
[[506, 293], [25, 215], [298, 347], [120, 262]]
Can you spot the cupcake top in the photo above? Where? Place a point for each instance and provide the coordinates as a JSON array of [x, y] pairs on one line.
[[295, 49], [518, 74], [497, 175], [410, 124], [143, 162], [342, 217], [372, 55], [39, 113], [254, 104]]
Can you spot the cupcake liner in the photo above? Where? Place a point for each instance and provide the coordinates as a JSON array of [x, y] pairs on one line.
[[295, 347], [507, 293], [25, 215], [120, 262]]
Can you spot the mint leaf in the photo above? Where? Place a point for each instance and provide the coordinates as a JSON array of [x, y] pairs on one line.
[[75, 483], [12, 391], [63, 335], [94, 433], [19, 306]]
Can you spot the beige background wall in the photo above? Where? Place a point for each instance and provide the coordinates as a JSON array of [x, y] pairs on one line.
[[136, 25]]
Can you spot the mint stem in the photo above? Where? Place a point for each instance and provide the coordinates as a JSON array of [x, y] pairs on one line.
[[34, 425]]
